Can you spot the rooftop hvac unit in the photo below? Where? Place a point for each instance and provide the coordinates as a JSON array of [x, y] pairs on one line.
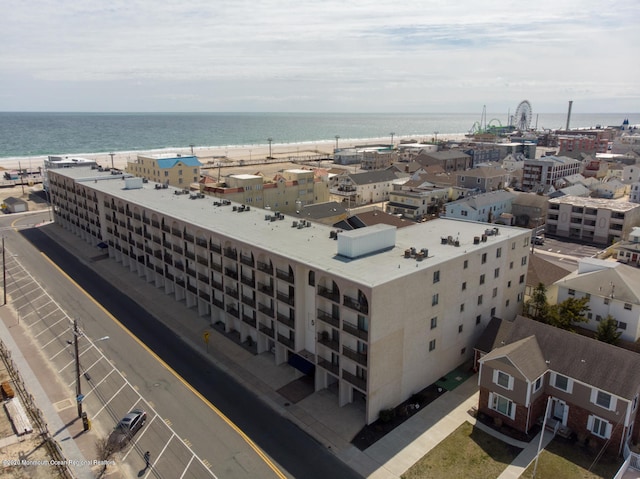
[[300, 225], [247, 208], [273, 218], [235, 208], [443, 240], [407, 253], [484, 238], [308, 224], [456, 243], [333, 234], [294, 224], [267, 217], [476, 240], [419, 256], [425, 252]]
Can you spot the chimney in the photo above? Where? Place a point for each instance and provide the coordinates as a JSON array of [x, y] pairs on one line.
[[569, 114]]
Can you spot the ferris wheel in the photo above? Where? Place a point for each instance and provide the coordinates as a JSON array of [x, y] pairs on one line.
[[522, 117]]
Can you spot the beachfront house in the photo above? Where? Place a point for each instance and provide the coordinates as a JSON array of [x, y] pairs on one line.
[[167, 168]]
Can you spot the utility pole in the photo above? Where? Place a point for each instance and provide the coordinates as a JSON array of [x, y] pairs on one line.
[[192, 145], [337, 138], [112, 155], [392, 135], [79, 398], [269, 140], [4, 274]]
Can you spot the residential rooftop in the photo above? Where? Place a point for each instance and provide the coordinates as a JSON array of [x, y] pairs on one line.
[[583, 201], [311, 244]]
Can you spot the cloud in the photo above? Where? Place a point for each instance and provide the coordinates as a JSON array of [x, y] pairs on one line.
[[290, 55]]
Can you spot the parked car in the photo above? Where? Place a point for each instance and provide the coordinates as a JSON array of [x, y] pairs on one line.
[[538, 240], [126, 429]]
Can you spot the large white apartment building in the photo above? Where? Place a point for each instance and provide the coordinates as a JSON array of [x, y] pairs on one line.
[[375, 314], [547, 171]]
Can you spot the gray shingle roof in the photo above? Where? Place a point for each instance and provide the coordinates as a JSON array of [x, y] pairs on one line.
[[625, 278], [601, 365], [374, 176], [524, 354]]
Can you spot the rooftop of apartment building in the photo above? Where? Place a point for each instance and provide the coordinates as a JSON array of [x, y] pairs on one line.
[[620, 204], [312, 244], [552, 159]]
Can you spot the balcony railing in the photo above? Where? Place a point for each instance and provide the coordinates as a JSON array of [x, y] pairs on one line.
[[216, 267], [202, 260], [355, 304], [266, 330], [246, 260], [329, 318], [286, 320], [231, 273], [250, 320], [265, 268], [248, 281], [355, 355], [217, 302], [326, 340], [360, 383], [216, 284], [190, 255], [286, 341], [285, 298], [354, 330], [231, 253], [329, 366], [266, 310], [249, 301], [203, 277], [188, 237], [204, 296], [232, 292], [233, 311], [329, 294], [216, 248], [284, 275], [176, 232], [265, 288], [201, 242]]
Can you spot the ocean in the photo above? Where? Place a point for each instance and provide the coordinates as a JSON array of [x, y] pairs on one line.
[[25, 134]]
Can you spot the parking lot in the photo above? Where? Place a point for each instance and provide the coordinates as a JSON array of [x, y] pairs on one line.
[[107, 394]]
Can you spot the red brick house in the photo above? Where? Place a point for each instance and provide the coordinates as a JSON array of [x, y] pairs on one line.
[[592, 387]]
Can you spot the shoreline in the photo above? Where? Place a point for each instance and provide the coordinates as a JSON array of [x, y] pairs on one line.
[[231, 152]]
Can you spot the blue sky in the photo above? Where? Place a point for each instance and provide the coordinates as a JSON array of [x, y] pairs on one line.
[[311, 56]]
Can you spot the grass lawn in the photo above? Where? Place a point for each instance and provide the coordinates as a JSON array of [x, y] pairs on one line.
[[466, 453], [562, 459]]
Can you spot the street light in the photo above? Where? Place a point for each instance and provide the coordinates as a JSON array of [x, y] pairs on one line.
[[436, 136], [392, 135], [269, 140], [337, 138], [192, 145], [112, 155]]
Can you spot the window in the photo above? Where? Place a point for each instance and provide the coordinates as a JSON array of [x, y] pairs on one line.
[[434, 299], [460, 327], [499, 253], [434, 322], [511, 265], [166, 173], [464, 286], [524, 261], [598, 318], [513, 245], [494, 293], [521, 278], [572, 292], [496, 273], [462, 307], [466, 264], [562, 382], [432, 345], [312, 278], [603, 399], [463, 350], [484, 258], [538, 384], [436, 276], [493, 312], [606, 300], [482, 279], [479, 300], [599, 427], [627, 306], [509, 284], [502, 405], [506, 304], [622, 325], [478, 319], [503, 379]]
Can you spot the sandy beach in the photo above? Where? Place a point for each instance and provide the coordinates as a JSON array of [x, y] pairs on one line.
[[230, 155]]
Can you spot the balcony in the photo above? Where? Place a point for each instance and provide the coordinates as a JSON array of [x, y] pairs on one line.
[[266, 310], [216, 284], [217, 302], [246, 260], [191, 272], [285, 298], [354, 355], [156, 239], [155, 224], [355, 331], [190, 255], [232, 292], [263, 328], [250, 320], [201, 242], [203, 277], [356, 305], [360, 383], [286, 320], [284, 275], [165, 228], [216, 248], [249, 301], [192, 288], [202, 260], [265, 288], [329, 366], [329, 318], [329, 294], [176, 232], [286, 341], [188, 237], [326, 340], [180, 282], [216, 267], [233, 311], [265, 268], [248, 281], [179, 265], [178, 249], [231, 273], [168, 258], [231, 253]]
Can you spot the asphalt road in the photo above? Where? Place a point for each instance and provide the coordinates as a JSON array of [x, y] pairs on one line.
[[294, 450]]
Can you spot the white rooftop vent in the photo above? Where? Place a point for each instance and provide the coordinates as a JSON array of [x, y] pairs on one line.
[[364, 241], [132, 183]]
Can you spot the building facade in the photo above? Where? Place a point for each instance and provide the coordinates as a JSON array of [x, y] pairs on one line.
[[483, 178], [595, 220], [378, 312], [485, 207], [546, 171], [175, 170]]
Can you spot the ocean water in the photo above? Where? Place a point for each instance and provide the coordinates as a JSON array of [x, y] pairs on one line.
[[37, 134]]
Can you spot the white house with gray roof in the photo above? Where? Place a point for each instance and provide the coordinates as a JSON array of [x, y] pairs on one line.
[[612, 288], [364, 188], [485, 207], [373, 315]]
